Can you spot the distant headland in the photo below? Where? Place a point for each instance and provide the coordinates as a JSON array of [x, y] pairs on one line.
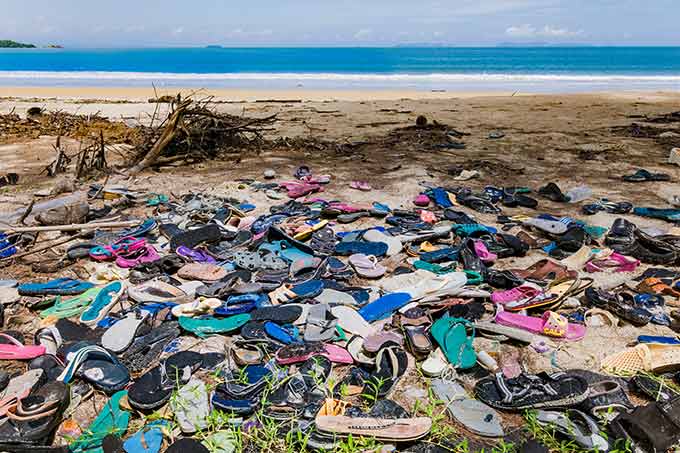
[[9, 44]]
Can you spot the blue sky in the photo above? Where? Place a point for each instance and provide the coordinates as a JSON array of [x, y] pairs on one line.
[[97, 23]]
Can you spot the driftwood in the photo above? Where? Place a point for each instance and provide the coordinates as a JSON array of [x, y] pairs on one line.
[[60, 163], [44, 247], [196, 131], [168, 135], [73, 227]]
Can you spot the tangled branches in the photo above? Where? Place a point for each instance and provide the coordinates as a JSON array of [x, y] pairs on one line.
[[195, 131]]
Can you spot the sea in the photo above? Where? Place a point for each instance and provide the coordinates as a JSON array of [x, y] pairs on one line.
[[521, 69]]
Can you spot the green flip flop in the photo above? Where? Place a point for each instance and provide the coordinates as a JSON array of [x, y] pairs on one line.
[[73, 306], [433, 267], [111, 420], [206, 326], [451, 335]]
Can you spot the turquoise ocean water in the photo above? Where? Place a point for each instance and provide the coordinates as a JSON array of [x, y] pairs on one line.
[[541, 69]]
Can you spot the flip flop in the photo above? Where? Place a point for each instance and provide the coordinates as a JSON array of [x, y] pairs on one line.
[[367, 266], [367, 248], [71, 307], [157, 291], [58, 287], [373, 343], [191, 406], [384, 306], [196, 308], [195, 255], [97, 366], [451, 335], [15, 350], [202, 271], [19, 387], [474, 415], [112, 420], [296, 353], [34, 418], [120, 336], [355, 347], [394, 245], [575, 426], [550, 324], [351, 321], [149, 439], [395, 430], [202, 327], [321, 324], [102, 304], [192, 238]]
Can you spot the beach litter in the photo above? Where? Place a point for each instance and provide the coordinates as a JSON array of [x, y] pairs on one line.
[[203, 322]]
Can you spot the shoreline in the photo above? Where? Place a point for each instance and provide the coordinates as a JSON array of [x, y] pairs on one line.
[[95, 94]]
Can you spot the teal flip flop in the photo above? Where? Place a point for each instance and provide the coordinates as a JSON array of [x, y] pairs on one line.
[[451, 335], [209, 325], [101, 305], [111, 420], [71, 307]]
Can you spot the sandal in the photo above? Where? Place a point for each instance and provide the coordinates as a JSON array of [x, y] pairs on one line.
[[529, 391]]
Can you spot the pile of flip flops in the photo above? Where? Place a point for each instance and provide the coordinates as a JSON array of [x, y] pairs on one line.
[[319, 315]]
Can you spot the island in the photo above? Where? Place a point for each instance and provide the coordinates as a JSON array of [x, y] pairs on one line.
[[8, 44]]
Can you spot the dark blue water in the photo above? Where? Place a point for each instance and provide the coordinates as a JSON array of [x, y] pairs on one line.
[[542, 69]]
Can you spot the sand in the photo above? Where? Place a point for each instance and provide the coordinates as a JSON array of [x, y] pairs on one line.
[[568, 139]]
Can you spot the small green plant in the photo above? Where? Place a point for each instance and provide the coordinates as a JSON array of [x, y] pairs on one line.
[[354, 444], [374, 386]]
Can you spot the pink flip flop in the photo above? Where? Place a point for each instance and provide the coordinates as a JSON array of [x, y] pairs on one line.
[[18, 351], [367, 266], [122, 245], [616, 261], [421, 200], [360, 185], [300, 189], [146, 254], [374, 342], [483, 253], [551, 324], [343, 208], [332, 352], [525, 291]]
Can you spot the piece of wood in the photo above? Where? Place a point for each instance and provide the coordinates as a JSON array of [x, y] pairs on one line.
[[73, 227], [27, 212], [60, 241], [169, 132]]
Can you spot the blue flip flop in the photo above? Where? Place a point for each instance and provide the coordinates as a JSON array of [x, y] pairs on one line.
[[385, 306], [284, 335], [139, 231], [440, 197], [243, 303], [58, 287], [657, 339], [367, 248], [149, 439], [285, 250], [101, 304]]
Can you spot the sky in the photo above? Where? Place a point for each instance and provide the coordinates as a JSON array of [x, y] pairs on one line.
[[153, 23]]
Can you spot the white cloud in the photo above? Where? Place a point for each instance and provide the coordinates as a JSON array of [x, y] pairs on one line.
[[363, 33], [178, 31], [241, 33], [547, 31]]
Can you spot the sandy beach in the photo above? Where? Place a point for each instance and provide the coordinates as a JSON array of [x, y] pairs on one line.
[[582, 139]]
